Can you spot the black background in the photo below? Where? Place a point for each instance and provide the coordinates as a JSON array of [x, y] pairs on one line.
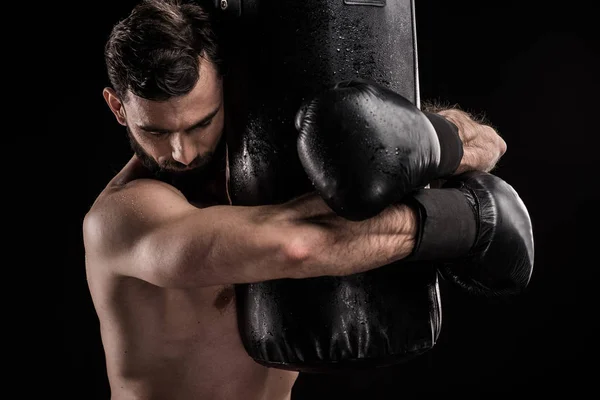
[[529, 66]]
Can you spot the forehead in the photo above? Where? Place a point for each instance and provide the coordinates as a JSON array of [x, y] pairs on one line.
[[179, 111]]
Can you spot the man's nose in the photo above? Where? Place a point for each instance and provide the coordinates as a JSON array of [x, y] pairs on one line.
[[183, 150]]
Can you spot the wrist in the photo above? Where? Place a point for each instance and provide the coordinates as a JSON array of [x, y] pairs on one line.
[[446, 226], [451, 144], [482, 145], [406, 229]]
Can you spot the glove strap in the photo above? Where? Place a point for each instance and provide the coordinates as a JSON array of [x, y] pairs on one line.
[[450, 143], [446, 225]]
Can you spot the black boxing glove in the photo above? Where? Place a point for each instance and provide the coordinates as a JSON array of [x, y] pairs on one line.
[[479, 230], [365, 147]]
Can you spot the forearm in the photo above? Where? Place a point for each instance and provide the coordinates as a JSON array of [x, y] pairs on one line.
[[298, 239], [335, 246]]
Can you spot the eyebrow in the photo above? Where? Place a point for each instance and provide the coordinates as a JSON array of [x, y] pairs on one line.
[[204, 120]]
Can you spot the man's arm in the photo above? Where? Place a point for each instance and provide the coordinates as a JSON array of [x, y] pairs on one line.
[[344, 247], [149, 231], [482, 145]]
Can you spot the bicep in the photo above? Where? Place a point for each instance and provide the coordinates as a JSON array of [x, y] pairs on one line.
[[152, 233]]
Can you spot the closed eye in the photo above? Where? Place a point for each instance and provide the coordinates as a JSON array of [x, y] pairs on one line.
[[203, 124], [158, 134]]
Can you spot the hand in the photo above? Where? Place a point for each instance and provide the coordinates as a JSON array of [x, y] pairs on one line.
[[479, 230], [482, 146], [365, 147]]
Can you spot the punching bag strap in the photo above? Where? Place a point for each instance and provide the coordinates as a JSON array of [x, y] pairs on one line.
[[378, 3]]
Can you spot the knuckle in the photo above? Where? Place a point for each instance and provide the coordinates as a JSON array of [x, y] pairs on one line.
[[502, 146]]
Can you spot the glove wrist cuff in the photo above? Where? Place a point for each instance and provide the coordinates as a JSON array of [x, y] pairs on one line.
[[446, 225], [451, 145]]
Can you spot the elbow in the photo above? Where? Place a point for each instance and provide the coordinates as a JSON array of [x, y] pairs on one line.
[[303, 254], [296, 255], [297, 251]]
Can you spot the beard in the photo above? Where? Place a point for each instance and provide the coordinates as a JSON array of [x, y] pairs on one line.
[[179, 175]]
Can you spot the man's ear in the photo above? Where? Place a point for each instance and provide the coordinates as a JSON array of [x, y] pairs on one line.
[[115, 105]]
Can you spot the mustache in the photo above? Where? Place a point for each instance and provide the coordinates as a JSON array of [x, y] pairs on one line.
[[174, 165], [170, 167]]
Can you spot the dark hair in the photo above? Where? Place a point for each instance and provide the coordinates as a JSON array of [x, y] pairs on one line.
[[155, 51]]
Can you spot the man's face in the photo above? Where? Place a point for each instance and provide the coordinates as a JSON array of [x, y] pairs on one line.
[[179, 135]]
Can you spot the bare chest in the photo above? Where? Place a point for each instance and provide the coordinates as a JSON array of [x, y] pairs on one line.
[[177, 317], [201, 314], [162, 339], [138, 314]]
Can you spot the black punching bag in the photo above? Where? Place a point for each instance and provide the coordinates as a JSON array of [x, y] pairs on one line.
[[279, 53]]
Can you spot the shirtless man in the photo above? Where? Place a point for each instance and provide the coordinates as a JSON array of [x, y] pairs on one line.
[[162, 255]]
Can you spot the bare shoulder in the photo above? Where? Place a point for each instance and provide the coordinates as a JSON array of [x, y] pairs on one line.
[[131, 205]]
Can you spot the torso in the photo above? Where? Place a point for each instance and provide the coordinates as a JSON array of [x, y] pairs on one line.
[[176, 343]]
